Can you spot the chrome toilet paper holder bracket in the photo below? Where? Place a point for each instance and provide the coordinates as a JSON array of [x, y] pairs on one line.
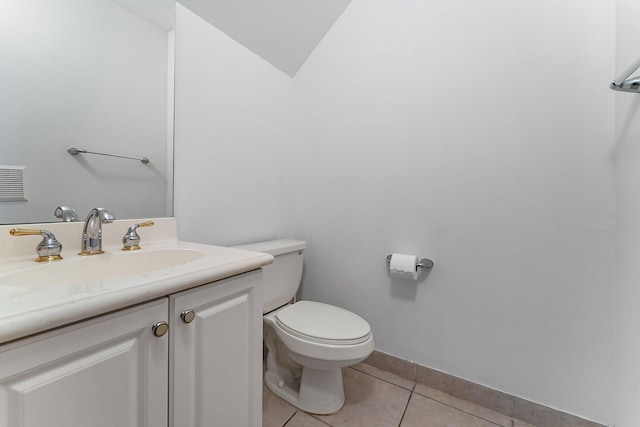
[[425, 263]]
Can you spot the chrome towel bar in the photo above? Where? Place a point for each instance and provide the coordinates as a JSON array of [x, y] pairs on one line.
[[75, 151], [625, 84]]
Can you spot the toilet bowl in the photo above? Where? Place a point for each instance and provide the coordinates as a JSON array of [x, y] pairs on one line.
[[307, 343], [314, 341]]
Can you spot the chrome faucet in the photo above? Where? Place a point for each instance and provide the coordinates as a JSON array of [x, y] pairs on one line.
[[92, 230]]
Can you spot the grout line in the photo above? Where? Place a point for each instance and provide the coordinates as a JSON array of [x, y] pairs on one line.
[[513, 406], [310, 415], [318, 419], [290, 418], [406, 406]]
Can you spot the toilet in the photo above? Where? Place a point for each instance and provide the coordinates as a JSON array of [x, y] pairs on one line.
[[308, 343]]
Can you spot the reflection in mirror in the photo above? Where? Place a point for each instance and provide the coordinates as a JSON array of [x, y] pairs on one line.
[[96, 75]]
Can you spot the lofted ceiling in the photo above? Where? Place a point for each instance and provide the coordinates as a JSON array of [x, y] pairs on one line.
[[283, 32]]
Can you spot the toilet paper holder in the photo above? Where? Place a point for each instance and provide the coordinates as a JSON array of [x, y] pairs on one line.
[[423, 263]]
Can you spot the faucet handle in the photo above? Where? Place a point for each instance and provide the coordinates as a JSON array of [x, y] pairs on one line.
[[131, 239], [66, 213], [48, 249]]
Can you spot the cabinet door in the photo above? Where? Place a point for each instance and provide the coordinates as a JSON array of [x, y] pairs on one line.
[[216, 368], [104, 372]]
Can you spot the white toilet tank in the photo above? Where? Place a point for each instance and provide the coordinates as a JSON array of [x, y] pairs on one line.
[[282, 277]]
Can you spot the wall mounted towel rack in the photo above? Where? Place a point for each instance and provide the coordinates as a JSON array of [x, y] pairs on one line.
[[626, 84], [75, 151]]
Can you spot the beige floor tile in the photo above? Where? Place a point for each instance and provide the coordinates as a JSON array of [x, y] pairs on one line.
[[300, 419], [425, 412], [463, 405], [369, 402], [384, 375], [275, 411]]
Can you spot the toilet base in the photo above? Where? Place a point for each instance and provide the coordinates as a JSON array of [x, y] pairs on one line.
[[320, 391]]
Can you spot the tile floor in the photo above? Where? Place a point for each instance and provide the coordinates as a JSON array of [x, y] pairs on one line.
[[376, 398]]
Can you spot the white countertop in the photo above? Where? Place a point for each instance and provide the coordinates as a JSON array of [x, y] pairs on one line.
[[25, 310]]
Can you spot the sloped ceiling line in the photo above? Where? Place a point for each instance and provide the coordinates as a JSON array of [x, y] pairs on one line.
[[283, 32]]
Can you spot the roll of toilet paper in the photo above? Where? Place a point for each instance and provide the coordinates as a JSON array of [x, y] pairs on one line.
[[404, 266]]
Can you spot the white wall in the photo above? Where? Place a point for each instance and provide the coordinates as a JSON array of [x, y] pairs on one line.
[[627, 154], [232, 139], [478, 134], [90, 75]]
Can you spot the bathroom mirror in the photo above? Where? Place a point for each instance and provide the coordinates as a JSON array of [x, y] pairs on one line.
[[96, 75]]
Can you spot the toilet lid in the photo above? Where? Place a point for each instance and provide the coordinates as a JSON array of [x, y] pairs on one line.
[[324, 323]]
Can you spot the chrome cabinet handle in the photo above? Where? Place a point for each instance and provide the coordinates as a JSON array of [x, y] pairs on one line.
[[160, 328], [187, 316]]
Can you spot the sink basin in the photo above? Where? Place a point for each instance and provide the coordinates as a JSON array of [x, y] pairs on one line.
[[98, 268]]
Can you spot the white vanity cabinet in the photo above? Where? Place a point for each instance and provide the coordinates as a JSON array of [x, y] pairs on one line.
[[113, 370], [216, 369], [104, 372]]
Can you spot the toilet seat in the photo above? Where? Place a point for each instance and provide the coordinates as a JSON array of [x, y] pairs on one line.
[[323, 324]]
